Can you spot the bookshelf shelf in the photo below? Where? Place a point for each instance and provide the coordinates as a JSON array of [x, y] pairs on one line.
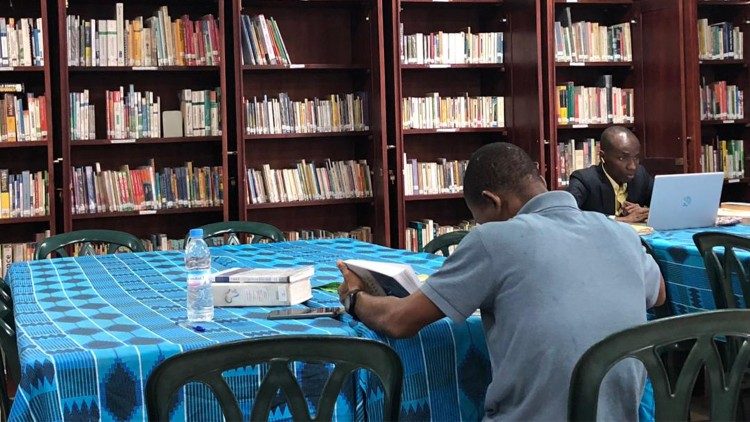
[[110, 69], [500, 130], [436, 2], [593, 64], [301, 3], [594, 126], [723, 2], [725, 122], [303, 67], [731, 181], [140, 141], [297, 204], [315, 135], [21, 69], [723, 62], [500, 67], [129, 214], [25, 220], [576, 2], [27, 144], [434, 197]]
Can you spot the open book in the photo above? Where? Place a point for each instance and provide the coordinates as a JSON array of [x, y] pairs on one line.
[[385, 278]]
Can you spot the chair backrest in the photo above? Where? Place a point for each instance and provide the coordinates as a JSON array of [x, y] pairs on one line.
[[443, 242], [207, 365], [722, 270], [644, 343], [260, 231], [112, 238]]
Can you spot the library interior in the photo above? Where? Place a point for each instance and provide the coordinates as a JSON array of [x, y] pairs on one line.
[[407, 210]]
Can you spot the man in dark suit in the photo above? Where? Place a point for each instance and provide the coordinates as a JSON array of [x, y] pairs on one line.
[[619, 186]]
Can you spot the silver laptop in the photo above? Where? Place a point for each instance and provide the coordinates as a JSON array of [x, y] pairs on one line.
[[685, 201]]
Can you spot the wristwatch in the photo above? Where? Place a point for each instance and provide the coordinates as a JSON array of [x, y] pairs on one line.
[[350, 301]]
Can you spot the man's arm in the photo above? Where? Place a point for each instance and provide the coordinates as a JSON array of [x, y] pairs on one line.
[[395, 317], [662, 293]]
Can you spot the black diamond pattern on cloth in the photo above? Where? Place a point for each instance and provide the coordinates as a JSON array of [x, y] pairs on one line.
[[474, 376], [84, 413], [678, 253], [121, 391]]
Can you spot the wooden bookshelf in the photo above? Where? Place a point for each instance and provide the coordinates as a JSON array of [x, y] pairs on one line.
[[517, 79], [166, 82], [31, 155], [656, 74], [335, 47], [733, 70]]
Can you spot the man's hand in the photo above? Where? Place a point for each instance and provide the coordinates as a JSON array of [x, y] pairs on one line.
[[634, 213], [351, 281]]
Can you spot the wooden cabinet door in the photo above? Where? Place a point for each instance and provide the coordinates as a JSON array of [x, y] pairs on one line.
[[662, 116]]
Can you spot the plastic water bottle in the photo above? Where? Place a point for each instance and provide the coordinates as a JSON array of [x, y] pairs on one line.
[[200, 297]]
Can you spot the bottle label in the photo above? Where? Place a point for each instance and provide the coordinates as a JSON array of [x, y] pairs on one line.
[[197, 279]]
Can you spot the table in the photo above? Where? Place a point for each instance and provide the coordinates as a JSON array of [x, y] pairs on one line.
[[91, 330], [682, 266]]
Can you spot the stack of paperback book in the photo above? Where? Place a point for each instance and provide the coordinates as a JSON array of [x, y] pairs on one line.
[[262, 286]]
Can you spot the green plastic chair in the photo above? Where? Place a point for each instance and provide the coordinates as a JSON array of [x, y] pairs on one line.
[[721, 270], [207, 365], [643, 343], [113, 238], [9, 364], [260, 231], [443, 242]]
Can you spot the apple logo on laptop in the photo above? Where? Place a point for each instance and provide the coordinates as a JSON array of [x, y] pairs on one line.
[[686, 201]]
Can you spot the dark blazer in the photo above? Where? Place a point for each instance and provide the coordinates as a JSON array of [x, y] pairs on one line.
[[594, 192]]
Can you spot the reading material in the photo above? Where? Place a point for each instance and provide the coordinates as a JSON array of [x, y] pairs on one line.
[[385, 278], [264, 275]]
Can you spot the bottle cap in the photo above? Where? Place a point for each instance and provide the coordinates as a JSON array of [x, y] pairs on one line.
[[196, 233]]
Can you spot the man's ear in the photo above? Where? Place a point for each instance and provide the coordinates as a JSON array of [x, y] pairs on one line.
[[493, 200]]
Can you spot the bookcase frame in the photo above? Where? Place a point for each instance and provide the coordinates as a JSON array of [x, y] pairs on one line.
[[733, 70], [520, 76], [18, 155], [167, 152], [354, 59], [660, 98]]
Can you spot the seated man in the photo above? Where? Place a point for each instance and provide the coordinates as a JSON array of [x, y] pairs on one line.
[[541, 306], [619, 186]]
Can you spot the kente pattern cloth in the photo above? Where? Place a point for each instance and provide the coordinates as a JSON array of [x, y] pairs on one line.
[[91, 330], [682, 266]]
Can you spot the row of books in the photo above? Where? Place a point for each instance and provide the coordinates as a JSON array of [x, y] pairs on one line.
[[592, 42], [23, 194], [262, 43], [452, 47], [720, 101], [162, 242], [421, 232], [25, 116], [726, 156], [363, 233], [153, 41], [575, 155], [594, 105], [145, 189], [436, 112], [21, 42], [719, 41], [334, 113], [430, 178], [133, 114], [19, 252], [309, 182]]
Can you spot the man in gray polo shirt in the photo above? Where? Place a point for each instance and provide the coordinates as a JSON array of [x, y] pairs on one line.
[[550, 281]]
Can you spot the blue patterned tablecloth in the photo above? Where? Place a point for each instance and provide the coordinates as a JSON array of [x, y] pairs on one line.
[[682, 266], [91, 330]]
